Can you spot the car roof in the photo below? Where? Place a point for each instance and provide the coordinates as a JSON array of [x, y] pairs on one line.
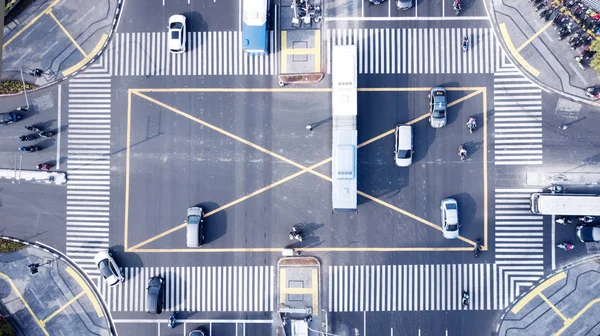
[[590, 233]]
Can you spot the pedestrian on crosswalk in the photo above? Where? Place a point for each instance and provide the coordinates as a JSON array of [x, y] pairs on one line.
[[563, 127]]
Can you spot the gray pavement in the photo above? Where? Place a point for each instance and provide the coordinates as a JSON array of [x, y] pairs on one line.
[[534, 47], [60, 37], [43, 293]]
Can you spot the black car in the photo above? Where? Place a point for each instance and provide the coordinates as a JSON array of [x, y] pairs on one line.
[[588, 233], [154, 295], [8, 118]]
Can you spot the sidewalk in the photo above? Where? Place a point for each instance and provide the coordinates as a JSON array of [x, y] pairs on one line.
[[533, 46], [43, 293], [60, 37]]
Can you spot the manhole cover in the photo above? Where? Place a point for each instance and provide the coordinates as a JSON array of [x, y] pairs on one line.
[[567, 109]]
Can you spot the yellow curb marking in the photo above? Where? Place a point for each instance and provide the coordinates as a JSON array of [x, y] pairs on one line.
[[534, 36], [86, 59], [312, 249], [515, 53], [558, 312], [40, 323], [70, 302], [537, 290], [572, 320], [88, 292], [303, 170]]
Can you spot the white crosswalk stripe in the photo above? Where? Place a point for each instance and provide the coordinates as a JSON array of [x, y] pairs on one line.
[[419, 51], [208, 53], [411, 287], [517, 119], [219, 288], [88, 166], [518, 241]]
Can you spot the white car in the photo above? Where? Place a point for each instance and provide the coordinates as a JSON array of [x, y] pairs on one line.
[[450, 223], [108, 268], [177, 34], [403, 150]]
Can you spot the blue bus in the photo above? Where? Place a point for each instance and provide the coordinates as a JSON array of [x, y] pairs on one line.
[[254, 27]]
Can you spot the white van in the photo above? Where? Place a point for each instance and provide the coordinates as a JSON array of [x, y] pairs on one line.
[[403, 149]]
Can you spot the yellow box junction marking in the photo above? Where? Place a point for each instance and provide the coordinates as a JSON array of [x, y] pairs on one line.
[[39, 322], [37, 17], [313, 291], [537, 290], [87, 58], [514, 52], [285, 51], [86, 289], [304, 169]]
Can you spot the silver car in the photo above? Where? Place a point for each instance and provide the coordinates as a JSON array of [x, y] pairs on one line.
[[403, 149], [177, 34], [194, 227], [450, 223], [437, 107], [108, 268], [403, 4]]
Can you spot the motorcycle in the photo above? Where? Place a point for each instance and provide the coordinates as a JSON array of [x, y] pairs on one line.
[[295, 234], [44, 166], [477, 249], [172, 320], [557, 188], [462, 153], [471, 124], [465, 298], [46, 134], [29, 149], [32, 128], [26, 137], [565, 246], [456, 6], [563, 221], [465, 44], [586, 219]]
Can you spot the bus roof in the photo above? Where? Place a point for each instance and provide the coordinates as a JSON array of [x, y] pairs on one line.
[[565, 204]]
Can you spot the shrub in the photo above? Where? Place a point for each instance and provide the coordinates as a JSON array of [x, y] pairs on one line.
[[5, 328], [14, 86], [8, 246], [595, 63]]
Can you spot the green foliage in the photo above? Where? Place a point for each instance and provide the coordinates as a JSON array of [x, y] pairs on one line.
[[14, 86], [595, 63], [8, 246], [5, 328], [7, 7]]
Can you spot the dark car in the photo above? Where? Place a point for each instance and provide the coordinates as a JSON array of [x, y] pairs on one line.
[[376, 2], [154, 295], [9, 118], [437, 106], [588, 233]]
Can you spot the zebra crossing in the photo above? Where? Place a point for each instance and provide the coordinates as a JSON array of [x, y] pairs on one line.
[[418, 50], [208, 289], [518, 241], [517, 119], [438, 287], [208, 53], [88, 166]]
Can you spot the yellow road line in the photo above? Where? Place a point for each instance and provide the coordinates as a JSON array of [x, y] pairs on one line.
[[127, 166], [86, 59], [67, 33], [570, 321], [40, 323], [318, 52], [86, 289], [534, 36], [37, 17], [514, 52], [314, 291], [537, 290], [310, 249], [558, 312], [284, 52], [70, 302], [261, 190], [282, 285]]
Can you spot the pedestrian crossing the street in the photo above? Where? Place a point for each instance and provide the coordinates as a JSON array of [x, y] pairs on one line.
[[518, 242], [216, 289], [88, 166], [419, 51], [412, 287], [208, 53], [517, 119]]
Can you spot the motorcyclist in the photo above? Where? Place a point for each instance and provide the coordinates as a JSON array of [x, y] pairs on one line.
[[172, 320], [456, 5], [462, 152], [465, 298], [586, 219], [472, 123], [465, 43]]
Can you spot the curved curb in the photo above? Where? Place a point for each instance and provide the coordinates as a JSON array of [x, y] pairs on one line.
[[541, 281], [101, 47], [63, 257], [543, 86]]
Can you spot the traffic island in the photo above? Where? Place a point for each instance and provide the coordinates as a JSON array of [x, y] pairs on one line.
[[39, 176], [299, 296]]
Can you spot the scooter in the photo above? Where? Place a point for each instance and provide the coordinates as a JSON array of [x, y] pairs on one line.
[[465, 44], [46, 134], [462, 153], [557, 188], [295, 234], [26, 138], [44, 166], [29, 149], [565, 246], [456, 6], [563, 220], [586, 219], [477, 249], [465, 298], [32, 128], [471, 124], [172, 320]]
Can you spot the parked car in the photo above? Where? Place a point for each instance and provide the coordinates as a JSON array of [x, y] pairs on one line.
[[437, 106], [403, 4], [8, 118], [197, 332], [403, 149], [450, 223], [108, 268], [154, 295], [195, 227], [376, 2], [177, 34], [586, 233]]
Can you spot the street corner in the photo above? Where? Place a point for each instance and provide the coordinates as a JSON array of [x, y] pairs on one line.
[[59, 37], [565, 302], [42, 292]]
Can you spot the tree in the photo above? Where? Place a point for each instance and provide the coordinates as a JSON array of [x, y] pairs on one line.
[[595, 63]]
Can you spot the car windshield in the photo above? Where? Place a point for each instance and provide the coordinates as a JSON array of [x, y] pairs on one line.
[[193, 220], [404, 154], [176, 25], [105, 269], [452, 227], [451, 206], [174, 35]]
